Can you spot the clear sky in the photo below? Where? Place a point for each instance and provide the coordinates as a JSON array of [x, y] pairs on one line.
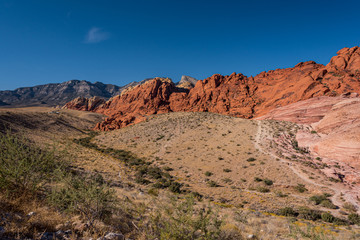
[[119, 41]]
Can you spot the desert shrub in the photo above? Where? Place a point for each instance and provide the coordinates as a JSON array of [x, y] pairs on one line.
[[301, 188], [88, 196], [182, 220], [268, 182], [141, 171], [227, 180], [162, 183], [354, 218], [212, 183], [317, 199], [327, 195], [323, 201], [287, 211], [328, 204], [24, 167], [349, 207], [309, 214], [208, 174], [310, 232], [257, 179], [251, 159], [196, 195], [168, 169], [153, 191], [227, 170], [263, 189], [154, 172], [327, 217], [141, 180], [175, 187], [280, 194]]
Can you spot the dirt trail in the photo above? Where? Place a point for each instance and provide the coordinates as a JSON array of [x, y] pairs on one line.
[[336, 189]]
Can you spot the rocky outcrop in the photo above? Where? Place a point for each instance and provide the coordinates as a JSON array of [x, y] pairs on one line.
[[236, 94], [187, 82], [347, 59], [152, 97], [85, 104]]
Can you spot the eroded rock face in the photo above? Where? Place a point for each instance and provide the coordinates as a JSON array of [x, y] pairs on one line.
[[85, 104], [335, 120], [347, 59], [134, 105], [187, 82], [335, 134], [236, 94]]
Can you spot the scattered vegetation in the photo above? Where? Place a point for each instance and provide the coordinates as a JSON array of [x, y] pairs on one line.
[[145, 172], [301, 188], [87, 196], [263, 189], [251, 159], [25, 168], [212, 183], [323, 201], [182, 220], [268, 182]]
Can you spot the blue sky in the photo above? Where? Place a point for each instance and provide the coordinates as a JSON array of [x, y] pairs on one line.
[[48, 41]]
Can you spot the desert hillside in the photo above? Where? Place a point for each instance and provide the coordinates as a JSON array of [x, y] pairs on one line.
[[246, 174]]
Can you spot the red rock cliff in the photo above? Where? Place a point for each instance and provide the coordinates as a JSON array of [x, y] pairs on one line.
[[236, 94]]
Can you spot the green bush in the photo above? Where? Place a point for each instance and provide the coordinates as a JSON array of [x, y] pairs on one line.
[[212, 183], [301, 188], [268, 182], [208, 174], [263, 189], [349, 207], [87, 196], [175, 187], [317, 199], [287, 211], [182, 220], [323, 201], [354, 218], [24, 168], [327, 217], [257, 179], [154, 172], [168, 169], [309, 214], [328, 204], [251, 159], [196, 196]]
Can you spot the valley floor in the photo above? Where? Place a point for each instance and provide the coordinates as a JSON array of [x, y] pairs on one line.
[[245, 170]]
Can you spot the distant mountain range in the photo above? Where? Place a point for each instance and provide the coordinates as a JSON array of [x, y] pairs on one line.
[[55, 94]]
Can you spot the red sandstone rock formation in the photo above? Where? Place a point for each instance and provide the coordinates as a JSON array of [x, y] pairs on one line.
[[235, 95]]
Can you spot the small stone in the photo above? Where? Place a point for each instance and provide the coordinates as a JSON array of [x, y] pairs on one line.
[[114, 236], [31, 214], [60, 233], [251, 236]]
